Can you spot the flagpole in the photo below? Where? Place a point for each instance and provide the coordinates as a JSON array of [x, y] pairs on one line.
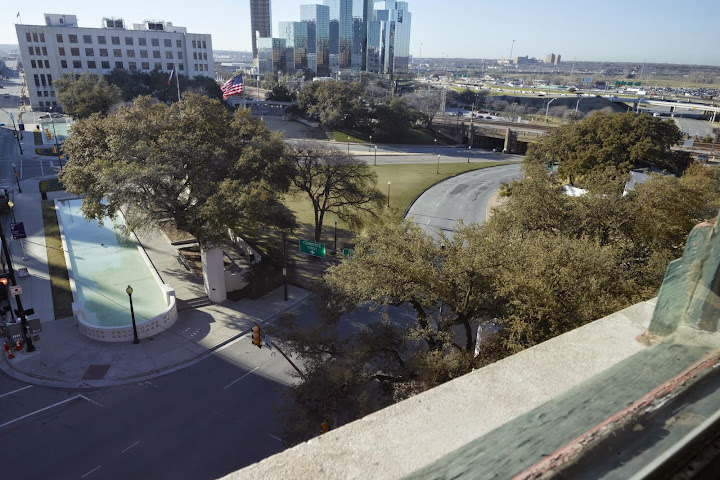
[[178, 85]]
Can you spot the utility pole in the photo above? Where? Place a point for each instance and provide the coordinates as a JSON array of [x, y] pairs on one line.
[[21, 311]]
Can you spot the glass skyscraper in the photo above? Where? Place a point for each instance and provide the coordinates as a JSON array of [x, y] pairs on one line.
[[296, 41], [260, 22], [341, 33], [271, 55], [388, 44], [317, 18]]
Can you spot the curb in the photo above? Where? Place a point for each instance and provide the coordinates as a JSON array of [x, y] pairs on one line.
[[7, 368]]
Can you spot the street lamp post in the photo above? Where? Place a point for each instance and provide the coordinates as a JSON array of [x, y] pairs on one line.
[[435, 149], [57, 148], [285, 266], [437, 171], [348, 139], [16, 178], [547, 109], [388, 202], [370, 144], [375, 162], [469, 148], [16, 132], [335, 247], [129, 291]]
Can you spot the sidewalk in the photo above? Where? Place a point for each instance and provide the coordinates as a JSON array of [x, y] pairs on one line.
[[66, 358]]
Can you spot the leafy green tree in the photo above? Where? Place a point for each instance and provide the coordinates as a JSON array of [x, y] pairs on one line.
[[623, 141], [391, 119], [335, 102], [191, 162], [336, 183], [280, 93], [85, 94], [203, 85], [132, 84]]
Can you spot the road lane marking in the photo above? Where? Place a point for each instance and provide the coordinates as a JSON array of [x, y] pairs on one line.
[[47, 408], [91, 471], [276, 438], [91, 401], [15, 391], [131, 446], [237, 380]]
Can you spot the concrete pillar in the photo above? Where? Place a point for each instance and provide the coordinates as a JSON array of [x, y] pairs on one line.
[[214, 275], [507, 148]]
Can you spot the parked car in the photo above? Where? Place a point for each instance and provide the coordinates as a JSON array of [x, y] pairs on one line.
[[702, 157]]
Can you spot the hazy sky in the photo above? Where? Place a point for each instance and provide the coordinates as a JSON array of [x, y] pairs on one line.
[[633, 30]]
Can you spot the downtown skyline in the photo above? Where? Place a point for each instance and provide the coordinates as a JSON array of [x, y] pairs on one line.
[[653, 32]]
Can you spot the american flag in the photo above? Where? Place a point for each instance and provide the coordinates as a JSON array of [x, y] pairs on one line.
[[234, 86], [172, 74]]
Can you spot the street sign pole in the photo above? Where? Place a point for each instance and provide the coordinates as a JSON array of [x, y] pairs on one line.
[[11, 273]]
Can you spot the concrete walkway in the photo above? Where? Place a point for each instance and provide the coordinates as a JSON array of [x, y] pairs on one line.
[[66, 358]]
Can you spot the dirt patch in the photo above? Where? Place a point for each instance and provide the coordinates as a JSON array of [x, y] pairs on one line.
[[177, 237]]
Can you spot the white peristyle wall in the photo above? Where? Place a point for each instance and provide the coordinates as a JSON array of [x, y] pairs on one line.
[[214, 274]]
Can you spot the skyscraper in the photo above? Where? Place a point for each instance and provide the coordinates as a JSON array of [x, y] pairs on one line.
[[317, 18], [260, 22], [341, 33], [388, 44]]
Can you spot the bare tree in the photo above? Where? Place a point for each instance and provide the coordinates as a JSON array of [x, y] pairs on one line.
[[429, 102]]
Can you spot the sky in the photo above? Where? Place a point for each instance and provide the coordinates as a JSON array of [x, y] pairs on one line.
[[654, 31]]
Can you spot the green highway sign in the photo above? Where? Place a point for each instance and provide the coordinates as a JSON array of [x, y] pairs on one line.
[[312, 248], [348, 252]]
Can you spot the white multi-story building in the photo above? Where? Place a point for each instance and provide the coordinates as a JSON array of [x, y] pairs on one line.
[[60, 46]]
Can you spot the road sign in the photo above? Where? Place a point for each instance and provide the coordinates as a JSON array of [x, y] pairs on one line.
[[16, 290], [312, 248], [268, 341], [348, 252], [688, 143], [17, 229], [23, 272]]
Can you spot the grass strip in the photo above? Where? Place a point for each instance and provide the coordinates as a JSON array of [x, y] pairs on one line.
[[59, 280]]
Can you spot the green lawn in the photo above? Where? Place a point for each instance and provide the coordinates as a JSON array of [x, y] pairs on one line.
[[59, 281], [414, 136], [407, 183]]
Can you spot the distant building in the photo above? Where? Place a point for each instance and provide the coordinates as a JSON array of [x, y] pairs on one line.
[[524, 60], [388, 49], [60, 46], [557, 60], [341, 33], [272, 55], [260, 22], [296, 43], [317, 18], [550, 58]]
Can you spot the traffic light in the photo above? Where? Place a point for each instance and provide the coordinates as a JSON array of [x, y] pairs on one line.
[[15, 133], [257, 336], [3, 288]]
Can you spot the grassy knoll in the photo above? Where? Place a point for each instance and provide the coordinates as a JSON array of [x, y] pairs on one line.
[[59, 281]]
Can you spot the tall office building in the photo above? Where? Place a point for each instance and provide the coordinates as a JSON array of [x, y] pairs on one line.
[[296, 42], [317, 19], [557, 60], [550, 58], [341, 33], [363, 13], [60, 46], [388, 44], [260, 22], [271, 55]]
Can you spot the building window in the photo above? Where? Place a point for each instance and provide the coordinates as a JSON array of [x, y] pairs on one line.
[[204, 56], [180, 56], [31, 50], [49, 77], [194, 44], [72, 38], [47, 63], [77, 64], [170, 66], [42, 104], [103, 52], [35, 37], [39, 92], [44, 50], [131, 53], [118, 65], [89, 52], [129, 41], [117, 52], [158, 66], [37, 80], [37, 50], [145, 65], [196, 67], [42, 37], [28, 37], [115, 40], [178, 43], [194, 55], [101, 39], [75, 52], [105, 64], [61, 51], [168, 43], [182, 67], [45, 94], [91, 64], [43, 81], [59, 38], [155, 42], [132, 66], [63, 63], [156, 53], [204, 44], [142, 41], [32, 64], [143, 54], [87, 38], [168, 55]]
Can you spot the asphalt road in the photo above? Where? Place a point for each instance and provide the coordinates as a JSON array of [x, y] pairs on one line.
[[463, 197], [201, 422]]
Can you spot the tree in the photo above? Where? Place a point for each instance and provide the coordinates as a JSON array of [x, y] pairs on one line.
[[85, 94], [280, 93], [335, 102], [429, 102], [202, 85], [391, 119], [624, 141], [336, 183], [132, 84], [191, 162]]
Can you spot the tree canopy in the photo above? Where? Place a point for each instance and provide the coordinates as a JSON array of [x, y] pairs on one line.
[[85, 94], [335, 182], [335, 103], [623, 141], [192, 162], [155, 84]]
